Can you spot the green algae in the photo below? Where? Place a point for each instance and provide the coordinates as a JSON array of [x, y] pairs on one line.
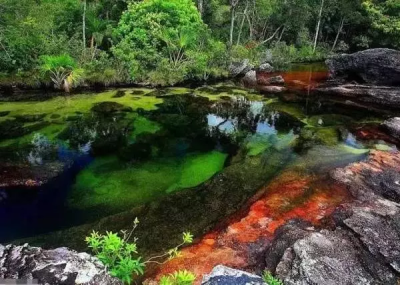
[[69, 105], [292, 109], [142, 125], [197, 169], [108, 184]]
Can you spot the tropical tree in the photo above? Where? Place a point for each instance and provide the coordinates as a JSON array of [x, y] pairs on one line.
[[62, 70]]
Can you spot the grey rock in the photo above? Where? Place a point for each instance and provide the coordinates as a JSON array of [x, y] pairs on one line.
[[378, 95], [250, 78], [266, 67], [222, 275], [329, 258], [375, 66], [378, 227], [58, 266], [393, 126], [272, 89], [285, 237], [240, 68], [278, 80]]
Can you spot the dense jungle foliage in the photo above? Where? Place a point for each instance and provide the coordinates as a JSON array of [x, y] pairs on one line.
[[75, 42]]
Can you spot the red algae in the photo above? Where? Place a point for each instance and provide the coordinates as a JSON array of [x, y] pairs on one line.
[[297, 80], [291, 195]]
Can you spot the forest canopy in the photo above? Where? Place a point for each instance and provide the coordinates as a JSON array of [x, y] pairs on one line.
[[168, 41]]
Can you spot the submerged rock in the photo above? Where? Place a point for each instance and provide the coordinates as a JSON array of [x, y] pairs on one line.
[[222, 275], [27, 175], [375, 66], [58, 266]]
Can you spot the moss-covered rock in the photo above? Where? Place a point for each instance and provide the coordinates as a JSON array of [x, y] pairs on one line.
[[29, 118]]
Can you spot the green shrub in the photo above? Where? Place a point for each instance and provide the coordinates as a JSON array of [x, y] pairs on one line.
[[270, 280], [281, 54], [121, 256], [59, 69], [181, 277]]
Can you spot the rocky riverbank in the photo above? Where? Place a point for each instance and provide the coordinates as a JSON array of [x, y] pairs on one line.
[[369, 77]]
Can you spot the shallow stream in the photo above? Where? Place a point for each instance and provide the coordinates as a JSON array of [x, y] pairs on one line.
[[177, 158]]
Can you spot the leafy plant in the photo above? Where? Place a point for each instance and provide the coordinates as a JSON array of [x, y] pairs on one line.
[[60, 69], [122, 258], [181, 277], [270, 280]]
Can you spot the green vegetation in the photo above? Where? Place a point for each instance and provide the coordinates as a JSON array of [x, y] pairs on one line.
[[181, 277], [270, 279], [105, 183], [122, 259], [163, 42]]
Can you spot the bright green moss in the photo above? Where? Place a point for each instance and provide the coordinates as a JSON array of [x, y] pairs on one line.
[[142, 125], [65, 106], [106, 183], [198, 168]]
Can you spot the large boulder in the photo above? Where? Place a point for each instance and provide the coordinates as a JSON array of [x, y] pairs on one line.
[[58, 266], [393, 126], [374, 66], [250, 78], [222, 275]]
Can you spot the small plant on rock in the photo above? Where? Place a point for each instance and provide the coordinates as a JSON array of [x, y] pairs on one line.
[[121, 257], [270, 279], [181, 277]]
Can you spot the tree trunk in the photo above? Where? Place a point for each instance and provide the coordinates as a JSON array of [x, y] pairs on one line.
[[84, 24], [232, 25], [338, 33], [200, 7], [242, 23], [318, 25], [281, 35]]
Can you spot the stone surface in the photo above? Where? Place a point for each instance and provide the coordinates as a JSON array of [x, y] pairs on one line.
[[222, 275], [374, 66], [266, 67], [58, 266], [272, 89], [363, 244], [393, 126], [376, 95], [330, 258], [27, 175], [250, 78], [275, 80], [240, 68]]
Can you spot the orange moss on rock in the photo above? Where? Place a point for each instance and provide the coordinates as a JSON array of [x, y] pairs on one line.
[[291, 195]]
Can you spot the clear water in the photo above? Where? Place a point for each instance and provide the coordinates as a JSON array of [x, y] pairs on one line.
[[177, 158]]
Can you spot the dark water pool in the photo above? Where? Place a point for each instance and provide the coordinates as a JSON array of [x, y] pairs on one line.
[[177, 158]]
